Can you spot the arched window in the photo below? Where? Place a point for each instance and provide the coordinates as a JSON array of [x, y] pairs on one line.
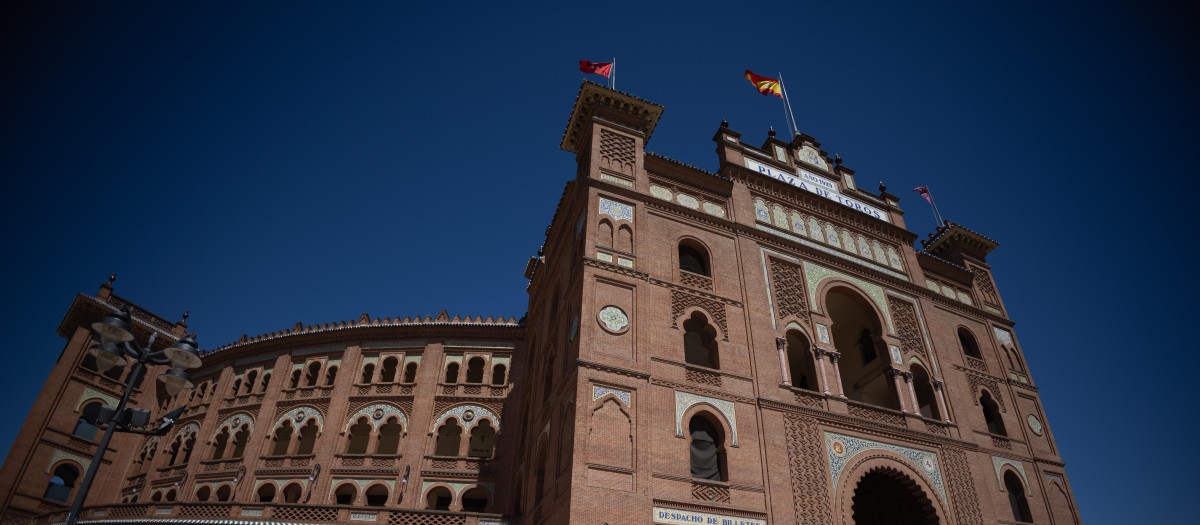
[[86, 427], [266, 492], [292, 493], [157, 496], [475, 500], [1016, 497], [451, 373], [283, 439], [203, 390], [171, 495], [800, 362], [360, 434], [240, 440], [387, 374], [346, 493], [314, 371], [203, 493], [174, 451], [377, 495], [220, 443], [266, 380], [389, 437], [483, 440], [410, 372], [295, 382], [62, 483], [969, 346], [693, 258], [188, 445], [926, 399], [251, 379], [475, 370], [700, 342], [368, 373], [624, 239], [448, 438], [856, 336], [439, 499], [330, 375], [539, 484], [991, 414], [605, 234], [308, 438], [707, 449], [237, 386], [223, 492]]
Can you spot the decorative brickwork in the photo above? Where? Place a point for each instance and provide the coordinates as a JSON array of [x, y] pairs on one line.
[[810, 481], [904, 314], [203, 511], [703, 377], [978, 380], [695, 280], [962, 487], [708, 492], [983, 283], [681, 301], [414, 518], [298, 513], [616, 151], [787, 285]]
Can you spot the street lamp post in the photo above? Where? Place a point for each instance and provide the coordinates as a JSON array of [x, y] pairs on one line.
[[116, 344]]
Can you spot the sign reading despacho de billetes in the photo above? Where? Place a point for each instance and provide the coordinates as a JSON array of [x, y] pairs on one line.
[[669, 516], [817, 185]]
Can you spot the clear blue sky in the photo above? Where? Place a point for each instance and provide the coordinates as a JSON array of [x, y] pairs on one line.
[[267, 163]]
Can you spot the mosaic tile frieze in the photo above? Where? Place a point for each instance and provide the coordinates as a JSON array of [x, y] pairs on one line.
[[601, 391], [714, 209], [90, 393], [686, 400], [616, 210], [60, 455], [661, 193], [299, 415], [468, 416], [235, 421], [377, 414], [841, 449], [998, 462], [816, 274], [688, 201], [1002, 335]]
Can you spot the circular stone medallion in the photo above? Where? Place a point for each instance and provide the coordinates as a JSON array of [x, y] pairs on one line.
[[1034, 424], [299, 416], [613, 319], [468, 415], [839, 448], [378, 414]]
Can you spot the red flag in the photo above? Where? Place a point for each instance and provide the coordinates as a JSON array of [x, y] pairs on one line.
[[599, 68], [924, 191], [766, 86]]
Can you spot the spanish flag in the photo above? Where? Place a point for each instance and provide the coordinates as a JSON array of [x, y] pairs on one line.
[[766, 86]]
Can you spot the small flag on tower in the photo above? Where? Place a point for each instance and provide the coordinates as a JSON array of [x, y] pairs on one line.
[[599, 68], [924, 191], [765, 85]]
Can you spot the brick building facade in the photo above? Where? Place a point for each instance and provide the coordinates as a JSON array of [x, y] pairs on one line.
[[759, 344]]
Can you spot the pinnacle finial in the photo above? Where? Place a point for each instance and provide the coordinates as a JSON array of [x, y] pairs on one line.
[[724, 123], [882, 187], [771, 131]]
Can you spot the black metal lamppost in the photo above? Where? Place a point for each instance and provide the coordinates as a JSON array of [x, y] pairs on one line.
[[117, 348]]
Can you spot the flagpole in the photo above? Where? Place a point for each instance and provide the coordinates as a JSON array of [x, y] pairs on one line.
[[936, 213], [612, 76], [787, 109]]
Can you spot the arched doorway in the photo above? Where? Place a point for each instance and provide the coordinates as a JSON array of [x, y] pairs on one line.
[[885, 496]]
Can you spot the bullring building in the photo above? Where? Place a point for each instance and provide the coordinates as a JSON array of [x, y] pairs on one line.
[[758, 344]]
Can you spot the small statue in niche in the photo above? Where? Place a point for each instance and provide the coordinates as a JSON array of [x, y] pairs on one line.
[[866, 345]]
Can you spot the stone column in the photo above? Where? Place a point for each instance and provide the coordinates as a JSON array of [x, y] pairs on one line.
[[837, 372], [912, 392], [897, 383], [781, 345], [941, 399], [819, 355]]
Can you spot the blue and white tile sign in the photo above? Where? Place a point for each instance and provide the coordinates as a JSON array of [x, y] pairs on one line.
[[669, 516], [818, 185]]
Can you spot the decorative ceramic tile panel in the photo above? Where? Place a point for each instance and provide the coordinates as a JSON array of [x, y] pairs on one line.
[[454, 359], [377, 414], [849, 181], [90, 393], [685, 400], [798, 224], [661, 193], [781, 220], [412, 359], [616, 210], [236, 420], [613, 318], [299, 415], [1035, 424], [810, 155], [831, 236], [604, 257], [880, 257], [933, 286], [616, 180], [760, 211], [964, 298], [894, 258], [780, 153], [60, 455], [468, 416], [826, 249], [823, 333], [1002, 335], [863, 248], [714, 209], [621, 261], [998, 462], [688, 201], [948, 292], [816, 274], [895, 354], [840, 449], [600, 391], [814, 229]]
